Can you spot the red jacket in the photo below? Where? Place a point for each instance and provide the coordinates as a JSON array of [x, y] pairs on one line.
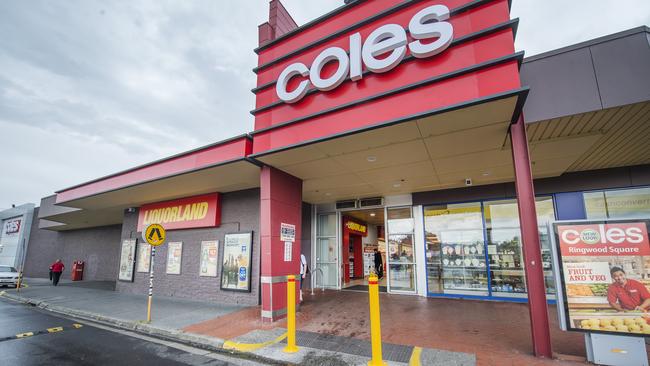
[[57, 267]]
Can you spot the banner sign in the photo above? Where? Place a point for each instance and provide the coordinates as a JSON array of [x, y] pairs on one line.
[[209, 254], [127, 260], [185, 213], [605, 275], [236, 264]]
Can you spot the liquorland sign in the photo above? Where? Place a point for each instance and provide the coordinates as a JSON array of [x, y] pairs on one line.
[[382, 50], [185, 213]]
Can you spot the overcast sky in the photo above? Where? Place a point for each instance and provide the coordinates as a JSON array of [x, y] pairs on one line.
[[88, 88]]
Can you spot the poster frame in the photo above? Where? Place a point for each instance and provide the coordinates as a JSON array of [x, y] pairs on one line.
[[561, 293], [216, 271], [137, 257], [250, 258], [180, 264], [134, 251]]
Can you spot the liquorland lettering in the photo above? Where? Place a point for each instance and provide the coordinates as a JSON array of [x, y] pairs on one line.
[[189, 212], [384, 49]]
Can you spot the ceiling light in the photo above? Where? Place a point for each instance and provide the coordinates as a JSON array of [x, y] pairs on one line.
[[486, 174], [328, 194], [371, 159], [372, 214], [397, 185]]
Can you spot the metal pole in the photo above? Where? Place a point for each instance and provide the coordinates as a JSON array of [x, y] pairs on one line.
[[531, 248], [291, 315], [375, 321], [153, 255]]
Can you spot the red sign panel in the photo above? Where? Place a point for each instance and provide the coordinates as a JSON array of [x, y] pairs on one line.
[[605, 239], [185, 213], [329, 78], [354, 227]]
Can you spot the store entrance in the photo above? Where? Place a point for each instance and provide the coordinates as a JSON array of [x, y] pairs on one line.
[[363, 248]]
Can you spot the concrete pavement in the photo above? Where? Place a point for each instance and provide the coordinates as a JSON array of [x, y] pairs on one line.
[[70, 343], [96, 303]]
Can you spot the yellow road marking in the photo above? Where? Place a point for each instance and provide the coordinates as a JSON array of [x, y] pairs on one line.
[[24, 335], [54, 330], [77, 325], [248, 347], [415, 357]]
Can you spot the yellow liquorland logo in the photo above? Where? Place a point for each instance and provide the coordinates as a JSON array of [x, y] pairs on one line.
[[181, 213], [356, 227]]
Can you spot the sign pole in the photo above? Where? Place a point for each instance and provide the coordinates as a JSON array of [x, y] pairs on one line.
[[153, 255], [155, 235]]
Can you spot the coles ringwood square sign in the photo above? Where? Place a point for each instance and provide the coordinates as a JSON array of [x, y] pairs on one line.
[[604, 239]]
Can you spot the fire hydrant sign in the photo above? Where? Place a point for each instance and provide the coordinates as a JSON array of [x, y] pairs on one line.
[[287, 232], [605, 276]]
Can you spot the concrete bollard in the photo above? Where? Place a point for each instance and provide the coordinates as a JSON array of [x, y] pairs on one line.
[[375, 321], [291, 315]]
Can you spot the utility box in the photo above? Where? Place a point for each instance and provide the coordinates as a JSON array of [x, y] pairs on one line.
[[77, 270]]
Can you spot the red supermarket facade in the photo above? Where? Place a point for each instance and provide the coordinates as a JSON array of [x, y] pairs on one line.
[[419, 103]]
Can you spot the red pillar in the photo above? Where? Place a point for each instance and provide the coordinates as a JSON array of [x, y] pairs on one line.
[[530, 241], [280, 202]]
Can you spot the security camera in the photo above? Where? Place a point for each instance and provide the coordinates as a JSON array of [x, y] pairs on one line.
[[468, 181]]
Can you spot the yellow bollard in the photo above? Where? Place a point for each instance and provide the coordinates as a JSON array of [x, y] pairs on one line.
[[20, 280], [375, 322], [291, 315]]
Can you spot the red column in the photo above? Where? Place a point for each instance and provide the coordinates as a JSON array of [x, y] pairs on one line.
[[280, 202], [530, 241]]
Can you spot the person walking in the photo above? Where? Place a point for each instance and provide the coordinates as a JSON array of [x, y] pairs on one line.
[[57, 269], [379, 264], [304, 269]]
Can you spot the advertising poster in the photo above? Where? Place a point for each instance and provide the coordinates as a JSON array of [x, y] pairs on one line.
[[287, 232], [605, 275], [127, 260], [144, 257], [174, 255], [236, 266], [209, 255]]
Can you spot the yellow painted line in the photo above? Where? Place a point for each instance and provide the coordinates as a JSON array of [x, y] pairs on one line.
[[24, 335], [415, 356], [55, 329], [77, 325], [248, 347]]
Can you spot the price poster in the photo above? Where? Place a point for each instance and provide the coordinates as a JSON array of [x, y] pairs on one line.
[[605, 275], [209, 255], [236, 265]]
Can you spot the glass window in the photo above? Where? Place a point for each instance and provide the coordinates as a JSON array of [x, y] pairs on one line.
[[504, 245], [455, 249], [401, 262], [618, 204], [326, 250]]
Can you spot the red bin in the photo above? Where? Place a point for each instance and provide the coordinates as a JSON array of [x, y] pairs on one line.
[[77, 270]]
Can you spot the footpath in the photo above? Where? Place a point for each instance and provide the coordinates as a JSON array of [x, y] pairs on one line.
[[171, 317]]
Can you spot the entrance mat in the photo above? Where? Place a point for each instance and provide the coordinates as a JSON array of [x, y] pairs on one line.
[[364, 288]]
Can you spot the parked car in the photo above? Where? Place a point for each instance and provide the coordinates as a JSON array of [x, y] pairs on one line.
[[8, 276]]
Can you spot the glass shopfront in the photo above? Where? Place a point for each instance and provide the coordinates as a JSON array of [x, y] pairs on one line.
[[618, 204], [475, 248], [401, 262]]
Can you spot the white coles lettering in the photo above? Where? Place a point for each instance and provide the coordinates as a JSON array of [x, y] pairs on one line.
[[428, 23]]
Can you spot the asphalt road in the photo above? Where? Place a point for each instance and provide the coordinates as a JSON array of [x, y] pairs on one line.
[[90, 344]]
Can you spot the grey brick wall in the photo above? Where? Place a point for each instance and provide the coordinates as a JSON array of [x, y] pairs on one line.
[[97, 247], [240, 212]]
